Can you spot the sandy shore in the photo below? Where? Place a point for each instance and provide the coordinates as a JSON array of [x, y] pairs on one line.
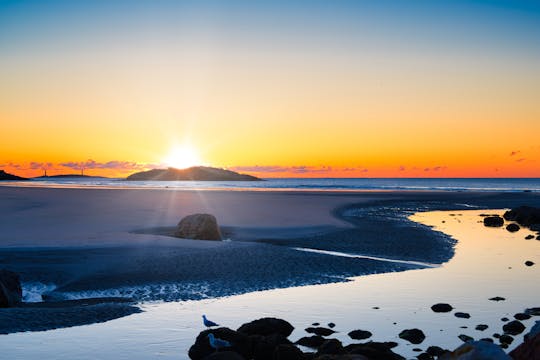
[[84, 243]]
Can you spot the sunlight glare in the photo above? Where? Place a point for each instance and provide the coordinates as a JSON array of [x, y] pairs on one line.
[[182, 157]]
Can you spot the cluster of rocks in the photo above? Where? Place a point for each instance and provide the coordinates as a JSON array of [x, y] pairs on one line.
[[525, 216], [267, 339]]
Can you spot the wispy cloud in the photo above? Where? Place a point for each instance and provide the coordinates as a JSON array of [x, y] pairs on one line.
[[299, 169], [435, 168], [514, 153]]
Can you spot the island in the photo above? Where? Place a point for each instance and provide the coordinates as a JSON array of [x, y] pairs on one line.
[[7, 176], [195, 173]]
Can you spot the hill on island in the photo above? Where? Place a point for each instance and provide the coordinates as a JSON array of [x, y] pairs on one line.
[[196, 173], [7, 176]]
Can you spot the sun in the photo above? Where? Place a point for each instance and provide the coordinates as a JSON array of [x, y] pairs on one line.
[[182, 157]]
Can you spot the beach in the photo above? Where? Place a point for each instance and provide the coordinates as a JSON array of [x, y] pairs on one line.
[[281, 250]]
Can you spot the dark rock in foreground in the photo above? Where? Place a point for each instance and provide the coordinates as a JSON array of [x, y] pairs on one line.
[[465, 338], [530, 348], [331, 347], [493, 221], [462, 315], [322, 331], [196, 173], [479, 350], [374, 350], [10, 289], [7, 176], [199, 227], [267, 326], [524, 215], [360, 334], [481, 327], [224, 355], [263, 347], [512, 227], [514, 327], [240, 343], [414, 336], [535, 311], [311, 341], [287, 352], [522, 316], [442, 308]]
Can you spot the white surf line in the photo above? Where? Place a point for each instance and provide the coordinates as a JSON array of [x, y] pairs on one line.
[[337, 253]]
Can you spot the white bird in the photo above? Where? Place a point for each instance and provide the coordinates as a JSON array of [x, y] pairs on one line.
[[208, 323], [217, 343]]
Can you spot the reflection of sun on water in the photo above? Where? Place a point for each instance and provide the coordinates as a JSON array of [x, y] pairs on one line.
[[182, 157]]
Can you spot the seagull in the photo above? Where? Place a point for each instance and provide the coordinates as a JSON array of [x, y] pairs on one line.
[[207, 322], [217, 343]]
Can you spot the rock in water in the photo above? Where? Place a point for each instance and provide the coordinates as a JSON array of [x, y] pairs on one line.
[[512, 227], [414, 336], [360, 334], [10, 289], [441, 307], [493, 221], [199, 227], [267, 326], [524, 215], [477, 350], [321, 331], [514, 327]]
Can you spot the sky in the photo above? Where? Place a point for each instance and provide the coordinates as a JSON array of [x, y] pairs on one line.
[[276, 89]]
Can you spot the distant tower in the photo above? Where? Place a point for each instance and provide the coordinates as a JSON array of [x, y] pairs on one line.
[[82, 171], [45, 174]]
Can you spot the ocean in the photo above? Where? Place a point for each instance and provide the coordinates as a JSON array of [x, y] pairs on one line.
[[306, 184]]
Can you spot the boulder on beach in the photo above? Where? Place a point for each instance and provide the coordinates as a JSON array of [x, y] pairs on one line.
[[493, 221], [10, 289], [476, 350], [414, 336], [199, 227], [267, 326], [524, 215]]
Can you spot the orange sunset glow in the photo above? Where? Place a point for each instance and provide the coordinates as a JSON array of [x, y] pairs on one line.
[[325, 99]]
